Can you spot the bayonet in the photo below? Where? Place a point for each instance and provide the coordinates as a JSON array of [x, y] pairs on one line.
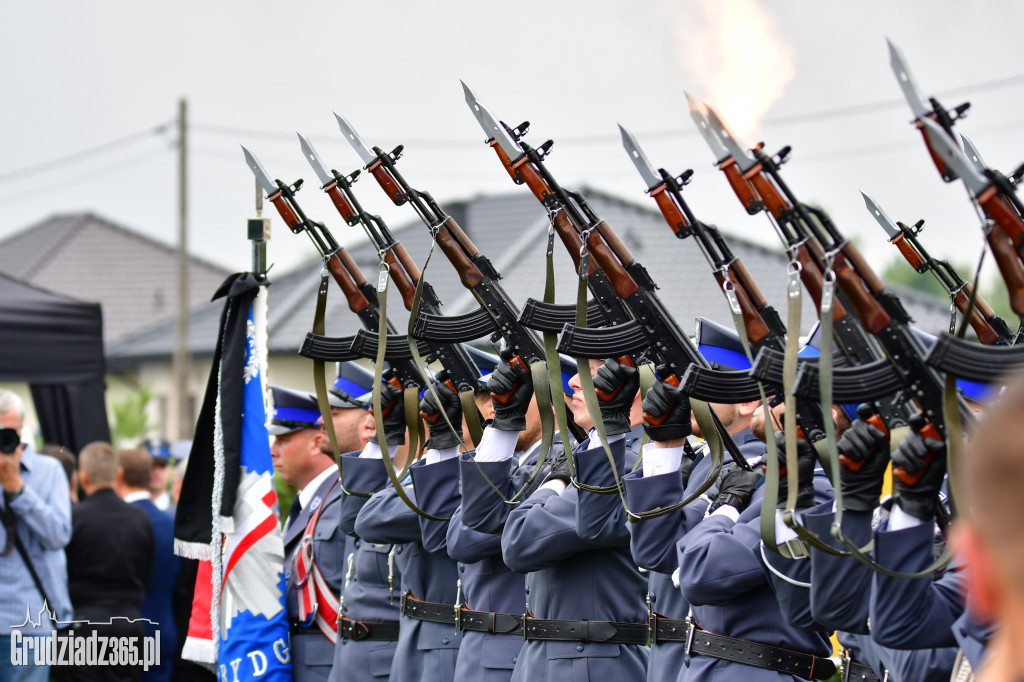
[[639, 159], [906, 83], [890, 227], [973, 154], [954, 157], [364, 151], [326, 177], [493, 128], [699, 115], [736, 150], [269, 186]]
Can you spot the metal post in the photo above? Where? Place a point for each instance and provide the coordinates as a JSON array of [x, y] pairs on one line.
[[181, 362]]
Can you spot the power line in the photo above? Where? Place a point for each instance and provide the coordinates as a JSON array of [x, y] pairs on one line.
[[84, 177], [83, 155], [838, 112]]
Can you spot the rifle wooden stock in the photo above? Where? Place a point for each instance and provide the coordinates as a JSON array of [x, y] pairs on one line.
[[406, 287], [386, 182], [752, 320], [673, 216], [622, 283], [770, 196], [617, 246], [745, 192], [986, 334], [341, 203], [999, 209], [909, 252], [455, 230], [407, 262], [937, 159], [346, 279], [741, 277], [1009, 267], [572, 241], [980, 303], [852, 254], [286, 212], [469, 273], [871, 313]]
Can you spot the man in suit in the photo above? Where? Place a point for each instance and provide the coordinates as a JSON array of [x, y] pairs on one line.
[[314, 545], [132, 485], [110, 560]]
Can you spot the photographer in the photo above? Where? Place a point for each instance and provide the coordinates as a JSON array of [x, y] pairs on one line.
[[36, 513]]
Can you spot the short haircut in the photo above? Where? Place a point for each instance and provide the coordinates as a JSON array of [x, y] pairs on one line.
[[61, 454], [11, 402], [98, 461], [136, 467], [991, 478]]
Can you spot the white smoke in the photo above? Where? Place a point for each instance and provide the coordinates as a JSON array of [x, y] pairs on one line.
[[733, 52]]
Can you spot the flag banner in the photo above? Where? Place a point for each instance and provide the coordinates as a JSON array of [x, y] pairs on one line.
[[228, 515]]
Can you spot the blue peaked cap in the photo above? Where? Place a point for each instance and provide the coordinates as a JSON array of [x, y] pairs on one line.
[[352, 386], [293, 411], [720, 345]]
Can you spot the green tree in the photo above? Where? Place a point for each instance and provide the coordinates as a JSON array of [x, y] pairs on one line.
[[131, 421]]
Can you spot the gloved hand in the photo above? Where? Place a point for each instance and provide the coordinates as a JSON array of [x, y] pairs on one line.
[[616, 385], [736, 488], [805, 458], [863, 458], [391, 407], [666, 412], [442, 436], [919, 466], [511, 391], [560, 467]]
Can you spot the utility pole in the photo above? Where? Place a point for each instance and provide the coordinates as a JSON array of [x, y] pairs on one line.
[[182, 360]]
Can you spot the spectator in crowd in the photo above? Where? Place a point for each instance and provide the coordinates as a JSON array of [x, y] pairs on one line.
[[179, 478], [67, 460], [36, 515], [110, 560], [132, 485], [160, 481]]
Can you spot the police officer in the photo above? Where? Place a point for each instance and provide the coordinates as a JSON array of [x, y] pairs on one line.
[[314, 547]]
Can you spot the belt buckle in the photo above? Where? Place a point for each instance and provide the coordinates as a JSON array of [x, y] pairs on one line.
[[797, 548], [355, 631], [691, 629], [405, 596], [526, 620], [652, 621]]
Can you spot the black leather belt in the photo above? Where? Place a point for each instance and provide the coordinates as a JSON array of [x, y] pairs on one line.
[[491, 622], [428, 610], [852, 670], [359, 631], [598, 631], [703, 643]]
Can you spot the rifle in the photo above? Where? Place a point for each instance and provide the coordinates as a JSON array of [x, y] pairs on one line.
[[361, 297], [498, 315], [990, 328], [761, 323], [462, 372], [868, 371], [643, 324]]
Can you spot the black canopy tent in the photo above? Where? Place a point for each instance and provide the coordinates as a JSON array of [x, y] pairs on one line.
[[55, 344]]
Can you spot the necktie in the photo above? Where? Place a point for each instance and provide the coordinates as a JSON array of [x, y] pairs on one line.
[[294, 511]]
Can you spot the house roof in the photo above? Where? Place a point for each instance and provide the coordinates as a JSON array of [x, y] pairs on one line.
[[512, 231], [92, 259]]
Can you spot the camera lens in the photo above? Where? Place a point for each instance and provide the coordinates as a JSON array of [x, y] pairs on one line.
[[9, 441]]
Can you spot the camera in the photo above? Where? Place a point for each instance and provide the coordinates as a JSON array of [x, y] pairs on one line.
[[9, 441]]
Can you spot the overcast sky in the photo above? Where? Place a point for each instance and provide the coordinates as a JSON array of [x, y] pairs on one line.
[[81, 74]]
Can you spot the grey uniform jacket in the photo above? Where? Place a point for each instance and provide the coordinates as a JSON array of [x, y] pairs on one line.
[[311, 652], [368, 594]]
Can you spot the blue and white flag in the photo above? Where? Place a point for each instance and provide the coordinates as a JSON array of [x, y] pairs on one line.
[[228, 513]]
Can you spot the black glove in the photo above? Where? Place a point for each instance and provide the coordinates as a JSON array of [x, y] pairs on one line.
[[918, 468], [736, 488], [511, 391], [666, 412], [441, 436], [805, 458], [863, 457], [616, 385], [560, 467], [391, 407]]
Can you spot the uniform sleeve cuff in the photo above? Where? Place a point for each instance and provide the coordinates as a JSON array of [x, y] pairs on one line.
[[434, 456], [496, 446], [783, 533], [657, 461], [556, 484], [901, 520], [372, 451], [729, 511]]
